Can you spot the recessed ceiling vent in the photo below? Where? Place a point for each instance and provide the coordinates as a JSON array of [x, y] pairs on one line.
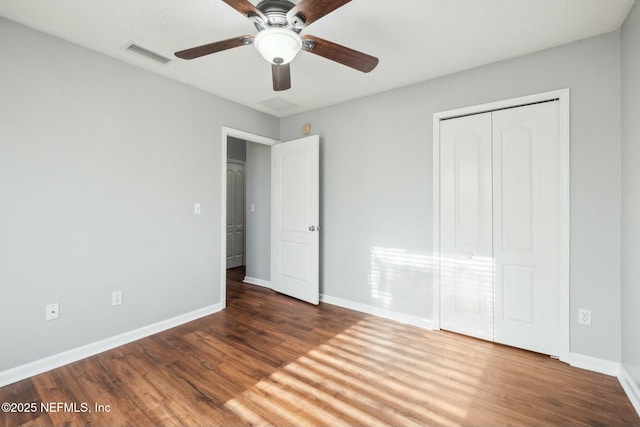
[[278, 103], [132, 47]]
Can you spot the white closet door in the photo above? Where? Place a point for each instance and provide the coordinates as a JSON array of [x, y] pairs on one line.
[[466, 268], [235, 215], [525, 226]]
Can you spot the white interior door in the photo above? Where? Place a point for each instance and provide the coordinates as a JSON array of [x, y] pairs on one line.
[[295, 236], [235, 214], [466, 264], [526, 226]]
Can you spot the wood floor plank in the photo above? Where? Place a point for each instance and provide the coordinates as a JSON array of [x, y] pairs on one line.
[[270, 360]]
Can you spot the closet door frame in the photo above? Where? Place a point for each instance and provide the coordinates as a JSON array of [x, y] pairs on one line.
[[562, 96]]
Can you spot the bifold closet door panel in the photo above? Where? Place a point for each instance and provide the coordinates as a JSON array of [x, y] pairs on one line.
[[465, 226], [526, 226]]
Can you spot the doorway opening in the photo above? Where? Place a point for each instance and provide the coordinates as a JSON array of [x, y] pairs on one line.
[[253, 235]]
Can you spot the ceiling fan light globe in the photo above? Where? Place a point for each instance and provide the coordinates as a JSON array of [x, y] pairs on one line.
[[278, 45]]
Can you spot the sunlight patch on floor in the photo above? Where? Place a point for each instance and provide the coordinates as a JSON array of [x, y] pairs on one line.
[[364, 376]]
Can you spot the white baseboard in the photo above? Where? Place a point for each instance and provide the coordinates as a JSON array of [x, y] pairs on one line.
[[258, 282], [57, 360], [376, 311], [630, 387], [594, 364]]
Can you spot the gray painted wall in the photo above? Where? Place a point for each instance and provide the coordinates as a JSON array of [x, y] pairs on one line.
[[236, 149], [376, 200], [258, 175], [100, 164], [631, 193]]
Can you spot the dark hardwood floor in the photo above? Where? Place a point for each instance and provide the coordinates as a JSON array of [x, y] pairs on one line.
[[272, 360]]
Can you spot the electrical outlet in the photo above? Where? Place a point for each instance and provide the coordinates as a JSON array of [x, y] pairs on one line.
[[116, 298], [584, 316], [53, 311]]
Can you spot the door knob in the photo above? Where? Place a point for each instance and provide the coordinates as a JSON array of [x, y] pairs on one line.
[[312, 228], [469, 255]]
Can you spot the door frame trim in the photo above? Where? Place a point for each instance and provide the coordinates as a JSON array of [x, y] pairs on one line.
[[249, 137], [563, 97]]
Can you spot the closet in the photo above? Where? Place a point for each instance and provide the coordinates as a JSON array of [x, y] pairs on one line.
[[500, 226]]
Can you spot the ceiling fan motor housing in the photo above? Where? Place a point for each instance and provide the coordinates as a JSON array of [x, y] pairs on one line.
[[276, 13]]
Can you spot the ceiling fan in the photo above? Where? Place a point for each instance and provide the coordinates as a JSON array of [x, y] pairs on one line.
[[279, 23]]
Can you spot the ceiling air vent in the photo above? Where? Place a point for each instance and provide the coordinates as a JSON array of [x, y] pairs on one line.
[[132, 47], [278, 103]]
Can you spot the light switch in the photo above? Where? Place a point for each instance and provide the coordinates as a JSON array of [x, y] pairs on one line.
[[196, 209], [253, 207]]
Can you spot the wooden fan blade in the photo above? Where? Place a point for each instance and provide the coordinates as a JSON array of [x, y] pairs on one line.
[[281, 77], [343, 55], [246, 8], [207, 49], [312, 10]]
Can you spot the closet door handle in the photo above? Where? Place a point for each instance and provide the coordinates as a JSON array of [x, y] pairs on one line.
[[469, 255]]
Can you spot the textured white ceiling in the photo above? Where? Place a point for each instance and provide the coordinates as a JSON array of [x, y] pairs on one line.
[[415, 40]]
